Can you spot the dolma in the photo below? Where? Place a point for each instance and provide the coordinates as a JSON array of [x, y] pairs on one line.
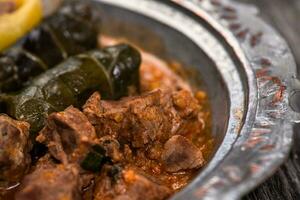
[[113, 71]]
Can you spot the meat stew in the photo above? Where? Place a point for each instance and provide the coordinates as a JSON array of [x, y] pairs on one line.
[[146, 142]]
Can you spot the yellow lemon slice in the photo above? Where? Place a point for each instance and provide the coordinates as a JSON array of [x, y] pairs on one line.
[[15, 24]]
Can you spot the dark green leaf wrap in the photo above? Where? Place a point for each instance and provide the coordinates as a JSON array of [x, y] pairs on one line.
[[111, 71], [72, 30]]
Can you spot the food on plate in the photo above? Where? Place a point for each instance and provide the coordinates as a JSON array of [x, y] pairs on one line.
[[83, 121]]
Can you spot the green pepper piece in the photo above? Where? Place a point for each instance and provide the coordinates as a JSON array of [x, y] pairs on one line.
[[94, 159], [73, 81], [115, 173]]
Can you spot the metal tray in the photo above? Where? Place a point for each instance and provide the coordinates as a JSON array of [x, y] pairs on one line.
[[244, 65]]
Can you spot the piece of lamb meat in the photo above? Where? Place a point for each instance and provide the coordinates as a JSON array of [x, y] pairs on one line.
[[179, 154], [111, 147], [51, 182], [68, 135], [14, 150], [135, 119], [128, 184], [142, 120], [71, 138]]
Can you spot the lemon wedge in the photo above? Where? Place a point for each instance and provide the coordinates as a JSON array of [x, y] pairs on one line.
[[16, 24]]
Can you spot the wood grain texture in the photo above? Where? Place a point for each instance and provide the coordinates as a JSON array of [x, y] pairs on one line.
[[284, 15]]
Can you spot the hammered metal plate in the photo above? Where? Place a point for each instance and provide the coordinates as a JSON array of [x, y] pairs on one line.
[[258, 73]]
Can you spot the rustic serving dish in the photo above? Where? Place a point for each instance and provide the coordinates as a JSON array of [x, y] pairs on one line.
[[244, 65]]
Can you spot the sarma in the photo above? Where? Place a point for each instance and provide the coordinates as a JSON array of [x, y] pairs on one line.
[[113, 71]]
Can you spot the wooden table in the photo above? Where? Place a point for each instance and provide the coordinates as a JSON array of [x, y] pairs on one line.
[[285, 184]]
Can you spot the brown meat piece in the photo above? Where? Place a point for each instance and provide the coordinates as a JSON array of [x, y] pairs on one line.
[[59, 182], [139, 187], [129, 185], [111, 147], [180, 154], [142, 120], [135, 119], [14, 149], [68, 135], [44, 162], [47, 162]]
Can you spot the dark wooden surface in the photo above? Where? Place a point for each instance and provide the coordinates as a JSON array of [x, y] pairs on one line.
[[284, 15]]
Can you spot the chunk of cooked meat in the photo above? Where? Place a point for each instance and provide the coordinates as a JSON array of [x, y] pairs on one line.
[[134, 119], [46, 161], [179, 154], [139, 187], [142, 120], [130, 184], [14, 149], [68, 135], [111, 147], [58, 182]]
